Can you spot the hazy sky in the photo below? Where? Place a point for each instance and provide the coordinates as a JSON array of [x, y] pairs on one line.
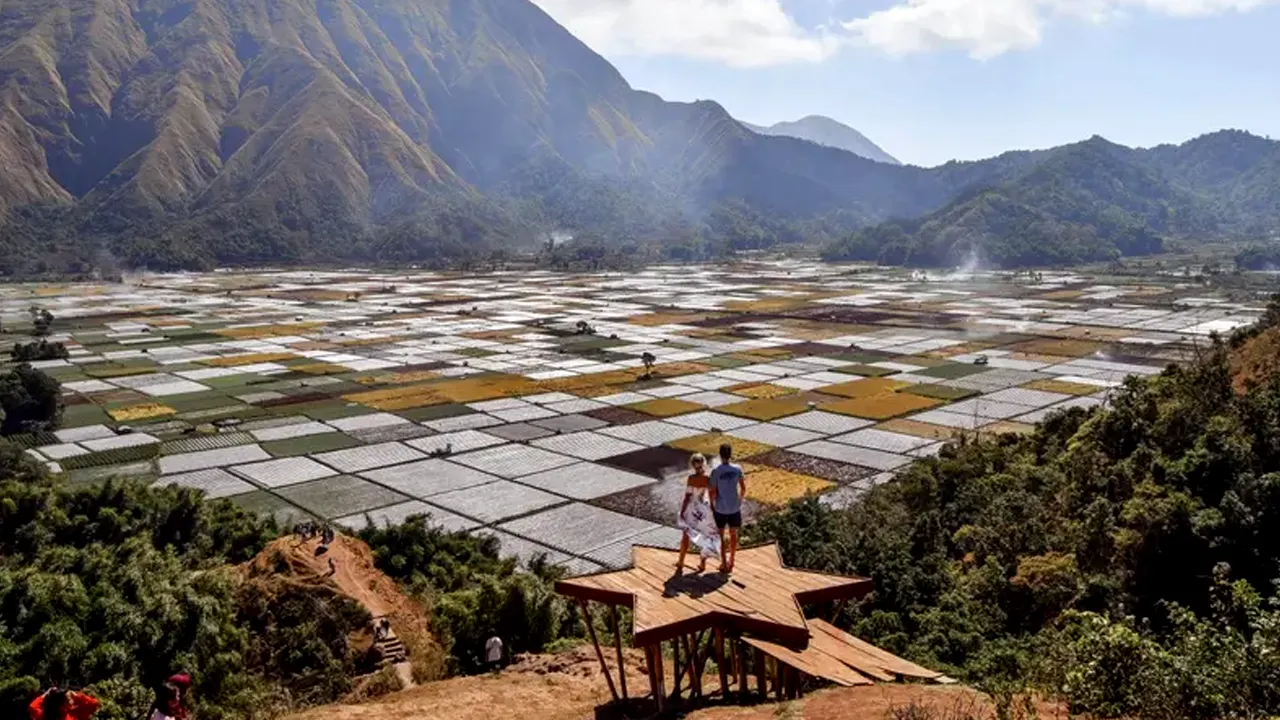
[[933, 80]]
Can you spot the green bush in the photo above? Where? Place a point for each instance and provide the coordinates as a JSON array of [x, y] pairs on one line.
[[474, 594]]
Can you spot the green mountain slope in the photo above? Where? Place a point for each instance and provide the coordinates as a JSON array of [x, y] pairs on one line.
[[1088, 201], [181, 133]]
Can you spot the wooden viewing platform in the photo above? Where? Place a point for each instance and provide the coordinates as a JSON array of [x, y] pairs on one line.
[[752, 621]]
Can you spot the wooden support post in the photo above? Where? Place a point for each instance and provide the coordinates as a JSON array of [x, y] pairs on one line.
[[703, 644], [761, 684], [724, 672], [779, 677], [794, 685], [742, 668], [691, 650], [660, 674], [586, 619], [617, 639], [677, 670], [653, 677]]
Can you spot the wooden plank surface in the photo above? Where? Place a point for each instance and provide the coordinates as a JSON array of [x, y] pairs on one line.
[[866, 657], [811, 662], [761, 596]]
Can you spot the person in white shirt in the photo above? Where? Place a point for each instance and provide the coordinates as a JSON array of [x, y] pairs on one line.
[[493, 653]]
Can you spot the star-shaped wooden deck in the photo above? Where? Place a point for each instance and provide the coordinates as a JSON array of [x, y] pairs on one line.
[[762, 596]]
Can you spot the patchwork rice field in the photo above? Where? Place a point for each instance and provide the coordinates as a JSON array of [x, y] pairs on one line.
[[355, 397]]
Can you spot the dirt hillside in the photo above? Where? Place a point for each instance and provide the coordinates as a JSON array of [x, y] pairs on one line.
[[569, 686], [1256, 360], [353, 574]]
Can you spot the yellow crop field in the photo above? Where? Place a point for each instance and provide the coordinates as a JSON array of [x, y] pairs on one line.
[[867, 387], [1062, 386], [881, 407], [709, 444], [251, 359], [403, 378], [767, 409], [773, 486], [761, 391], [666, 407], [463, 390], [267, 331], [144, 411]]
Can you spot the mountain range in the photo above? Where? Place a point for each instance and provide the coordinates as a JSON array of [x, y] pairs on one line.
[[189, 133], [832, 133]]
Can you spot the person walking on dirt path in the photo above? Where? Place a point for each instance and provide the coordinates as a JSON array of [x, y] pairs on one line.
[[58, 704], [493, 653], [728, 486], [694, 518]]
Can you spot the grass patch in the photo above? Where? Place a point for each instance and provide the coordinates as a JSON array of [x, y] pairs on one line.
[[907, 426], [311, 444], [436, 412], [81, 415], [952, 371], [871, 371], [116, 456]]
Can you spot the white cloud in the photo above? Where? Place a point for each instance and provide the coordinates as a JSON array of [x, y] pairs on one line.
[[986, 28], [738, 33]]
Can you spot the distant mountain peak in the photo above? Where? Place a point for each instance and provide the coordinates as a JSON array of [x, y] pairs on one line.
[[826, 131]]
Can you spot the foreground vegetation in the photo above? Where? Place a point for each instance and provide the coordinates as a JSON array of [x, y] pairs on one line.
[[1124, 558], [114, 588]]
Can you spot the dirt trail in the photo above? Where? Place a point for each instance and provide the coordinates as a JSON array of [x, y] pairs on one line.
[[353, 574], [570, 686]]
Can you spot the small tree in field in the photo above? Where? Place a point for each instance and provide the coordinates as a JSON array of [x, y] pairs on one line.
[[30, 400], [648, 359]]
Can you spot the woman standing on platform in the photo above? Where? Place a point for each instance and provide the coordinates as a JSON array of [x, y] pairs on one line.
[[696, 519]]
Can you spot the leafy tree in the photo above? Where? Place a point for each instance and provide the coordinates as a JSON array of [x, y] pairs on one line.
[[1123, 557], [39, 350], [30, 400], [474, 593], [41, 320]]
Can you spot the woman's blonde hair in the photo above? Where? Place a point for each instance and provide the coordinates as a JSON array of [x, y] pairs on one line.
[[697, 459]]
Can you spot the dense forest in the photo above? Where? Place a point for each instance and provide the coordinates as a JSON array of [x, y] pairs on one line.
[[1124, 558]]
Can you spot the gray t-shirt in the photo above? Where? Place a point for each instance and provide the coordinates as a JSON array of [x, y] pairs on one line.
[[725, 478]]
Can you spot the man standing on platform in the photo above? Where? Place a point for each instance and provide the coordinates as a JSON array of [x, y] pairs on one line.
[[728, 487]]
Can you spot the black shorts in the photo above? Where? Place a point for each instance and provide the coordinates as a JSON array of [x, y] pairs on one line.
[[733, 520]]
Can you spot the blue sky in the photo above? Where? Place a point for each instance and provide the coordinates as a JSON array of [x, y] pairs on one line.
[[934, 80]]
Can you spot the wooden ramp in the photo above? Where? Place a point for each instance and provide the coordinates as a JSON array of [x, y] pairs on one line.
[[834, 655], [810, 661]]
